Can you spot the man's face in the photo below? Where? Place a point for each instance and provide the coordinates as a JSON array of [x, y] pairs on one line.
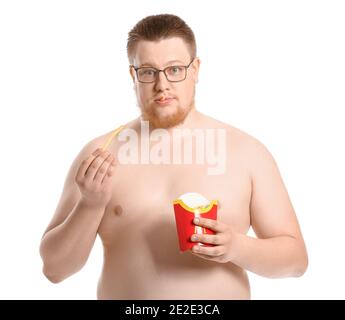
[[161, 54]]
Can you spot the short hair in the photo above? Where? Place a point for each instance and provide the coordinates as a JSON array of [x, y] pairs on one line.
[[159, 27]]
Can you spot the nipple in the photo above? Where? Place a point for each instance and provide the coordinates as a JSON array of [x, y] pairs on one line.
[[118, 210]]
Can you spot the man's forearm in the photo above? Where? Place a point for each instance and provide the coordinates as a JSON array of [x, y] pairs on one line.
[[65, 248], [277, 257]]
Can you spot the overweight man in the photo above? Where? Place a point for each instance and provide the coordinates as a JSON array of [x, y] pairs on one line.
[[122, 184]]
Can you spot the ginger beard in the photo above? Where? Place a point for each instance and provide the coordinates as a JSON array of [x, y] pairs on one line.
[[160, 119]]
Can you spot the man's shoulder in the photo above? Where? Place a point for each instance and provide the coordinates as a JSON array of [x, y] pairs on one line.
[[254, 154], [97, 141], [244, 145], [244, 140], [236, 136], [107, 138]]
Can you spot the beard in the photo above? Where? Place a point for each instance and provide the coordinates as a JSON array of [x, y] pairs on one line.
[[158, 120]]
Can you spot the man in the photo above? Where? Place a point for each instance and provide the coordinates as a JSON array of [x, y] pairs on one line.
[[129, 204]]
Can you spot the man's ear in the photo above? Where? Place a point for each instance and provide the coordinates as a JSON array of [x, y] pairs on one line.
[[196, 65], [132, 73]]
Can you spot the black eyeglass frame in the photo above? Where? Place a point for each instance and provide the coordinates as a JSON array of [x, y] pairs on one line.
[[161, 70]]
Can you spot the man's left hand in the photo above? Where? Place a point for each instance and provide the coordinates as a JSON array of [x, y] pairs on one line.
[[222, 241]]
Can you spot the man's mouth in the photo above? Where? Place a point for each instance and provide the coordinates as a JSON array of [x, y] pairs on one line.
[[163, 101]]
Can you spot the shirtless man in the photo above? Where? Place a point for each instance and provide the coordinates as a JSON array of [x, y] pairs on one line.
[[129, 205]]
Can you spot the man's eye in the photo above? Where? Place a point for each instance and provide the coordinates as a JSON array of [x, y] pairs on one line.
[[175, 70], [147, 72]]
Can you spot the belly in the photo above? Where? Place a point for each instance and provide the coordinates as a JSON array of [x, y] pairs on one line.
[[141, 251], [147, 264]]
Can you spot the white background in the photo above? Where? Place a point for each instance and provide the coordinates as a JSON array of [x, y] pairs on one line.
[[274, 69]]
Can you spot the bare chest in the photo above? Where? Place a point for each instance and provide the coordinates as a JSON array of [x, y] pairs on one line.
[[142, 200]]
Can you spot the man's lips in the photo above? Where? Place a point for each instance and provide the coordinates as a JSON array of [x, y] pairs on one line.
[[164, 100]]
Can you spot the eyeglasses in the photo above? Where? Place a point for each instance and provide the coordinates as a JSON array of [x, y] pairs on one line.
[[172, 73]]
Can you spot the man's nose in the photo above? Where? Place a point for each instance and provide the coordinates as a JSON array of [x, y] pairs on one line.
[[162, 82]]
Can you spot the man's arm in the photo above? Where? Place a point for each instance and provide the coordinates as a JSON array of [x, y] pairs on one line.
[[279, 250], [66, 248], [69, 238]]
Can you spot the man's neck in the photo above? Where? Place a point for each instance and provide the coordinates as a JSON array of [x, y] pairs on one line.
[[192, 120]]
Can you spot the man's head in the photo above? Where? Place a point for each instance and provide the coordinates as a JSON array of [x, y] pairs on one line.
[[163, 42]]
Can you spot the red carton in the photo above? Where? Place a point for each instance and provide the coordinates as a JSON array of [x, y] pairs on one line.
[[184, 215]]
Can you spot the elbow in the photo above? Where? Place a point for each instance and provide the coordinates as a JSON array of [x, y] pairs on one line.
[[57, 268], [296, 268], [52, 276], [51, 271], [48, 267], [302, 266], [56, 273], [302, 269]]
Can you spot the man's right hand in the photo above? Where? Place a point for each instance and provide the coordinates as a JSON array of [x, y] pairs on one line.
[[94, 178]]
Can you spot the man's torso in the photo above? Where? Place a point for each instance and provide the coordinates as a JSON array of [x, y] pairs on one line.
[[138, 231]]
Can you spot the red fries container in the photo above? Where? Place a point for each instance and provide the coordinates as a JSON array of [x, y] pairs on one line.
[[184, 216]]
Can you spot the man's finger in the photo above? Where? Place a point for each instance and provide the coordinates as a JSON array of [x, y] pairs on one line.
[[207, 238], [211, 224], [209, 251], [103, 169], [86, 163]]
